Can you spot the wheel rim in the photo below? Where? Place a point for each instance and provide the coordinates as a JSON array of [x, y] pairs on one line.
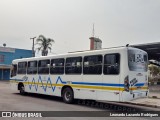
[[68, 96], [22, 90]]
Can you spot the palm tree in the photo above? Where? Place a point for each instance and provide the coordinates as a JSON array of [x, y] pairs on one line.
[[45, 44]]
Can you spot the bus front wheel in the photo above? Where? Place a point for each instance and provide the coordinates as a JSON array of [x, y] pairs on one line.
[[67, 95], [22, 90]]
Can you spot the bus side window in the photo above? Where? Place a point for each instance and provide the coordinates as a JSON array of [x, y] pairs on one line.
[[73, 65], [57, 66], [92, 64], [14, 70], [32, 67], [22, 67], [111, 64], [43, 66]]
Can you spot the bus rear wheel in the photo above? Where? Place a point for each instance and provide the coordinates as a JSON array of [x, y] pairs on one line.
[[67, 95]]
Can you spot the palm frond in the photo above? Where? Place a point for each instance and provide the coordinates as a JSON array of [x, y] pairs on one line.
[[44, 43], [50, 48], [38, 49]]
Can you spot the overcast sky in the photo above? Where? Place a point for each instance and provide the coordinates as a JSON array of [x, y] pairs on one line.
[[69, 22]]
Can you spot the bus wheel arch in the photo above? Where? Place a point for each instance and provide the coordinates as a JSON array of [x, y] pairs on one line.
[[21, 88], [67, 94]]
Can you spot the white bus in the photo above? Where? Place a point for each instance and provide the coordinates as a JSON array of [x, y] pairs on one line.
[[114, 74]]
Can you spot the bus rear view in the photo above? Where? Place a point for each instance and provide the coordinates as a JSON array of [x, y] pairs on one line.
[[136, 81]]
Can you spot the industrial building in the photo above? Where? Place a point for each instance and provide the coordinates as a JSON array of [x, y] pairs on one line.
[[8, 54]]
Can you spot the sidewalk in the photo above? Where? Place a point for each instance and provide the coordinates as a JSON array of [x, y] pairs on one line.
[[148, 102], [154, 95], [153, 99], [152, 102], [154, 88], [154, 91]]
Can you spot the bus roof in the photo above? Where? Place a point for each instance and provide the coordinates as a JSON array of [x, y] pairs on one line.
[[74, 53]]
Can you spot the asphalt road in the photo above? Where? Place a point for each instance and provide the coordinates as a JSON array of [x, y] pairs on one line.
[[11, 101]]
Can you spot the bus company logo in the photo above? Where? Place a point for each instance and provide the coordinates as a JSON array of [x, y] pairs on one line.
[[133, 82], [6, 114], [25, 78]]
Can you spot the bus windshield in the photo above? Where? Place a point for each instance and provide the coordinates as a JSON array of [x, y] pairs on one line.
[[14, 70], [137, 60]]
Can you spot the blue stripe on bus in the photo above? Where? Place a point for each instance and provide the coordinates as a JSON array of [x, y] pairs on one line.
[[140, 84], [99, 84], [105, 84]]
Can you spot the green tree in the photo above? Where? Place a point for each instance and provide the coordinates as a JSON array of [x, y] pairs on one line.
[[44, 44]]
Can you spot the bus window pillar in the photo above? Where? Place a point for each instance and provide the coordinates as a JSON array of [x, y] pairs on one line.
[[2, 74]]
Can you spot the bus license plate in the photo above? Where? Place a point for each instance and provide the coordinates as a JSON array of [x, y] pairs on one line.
[[139, 94]]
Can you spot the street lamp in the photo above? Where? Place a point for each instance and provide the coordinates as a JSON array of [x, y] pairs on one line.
[[33, 52]]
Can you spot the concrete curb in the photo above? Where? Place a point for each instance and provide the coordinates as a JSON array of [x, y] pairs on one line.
[[145, 105], [154, 97], [136, 105]]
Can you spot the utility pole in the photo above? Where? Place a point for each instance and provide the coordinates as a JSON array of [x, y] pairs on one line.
[[93, 31], [33, 52]]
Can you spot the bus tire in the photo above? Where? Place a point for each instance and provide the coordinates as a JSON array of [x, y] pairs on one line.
[[22, 90], [68, 96]]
